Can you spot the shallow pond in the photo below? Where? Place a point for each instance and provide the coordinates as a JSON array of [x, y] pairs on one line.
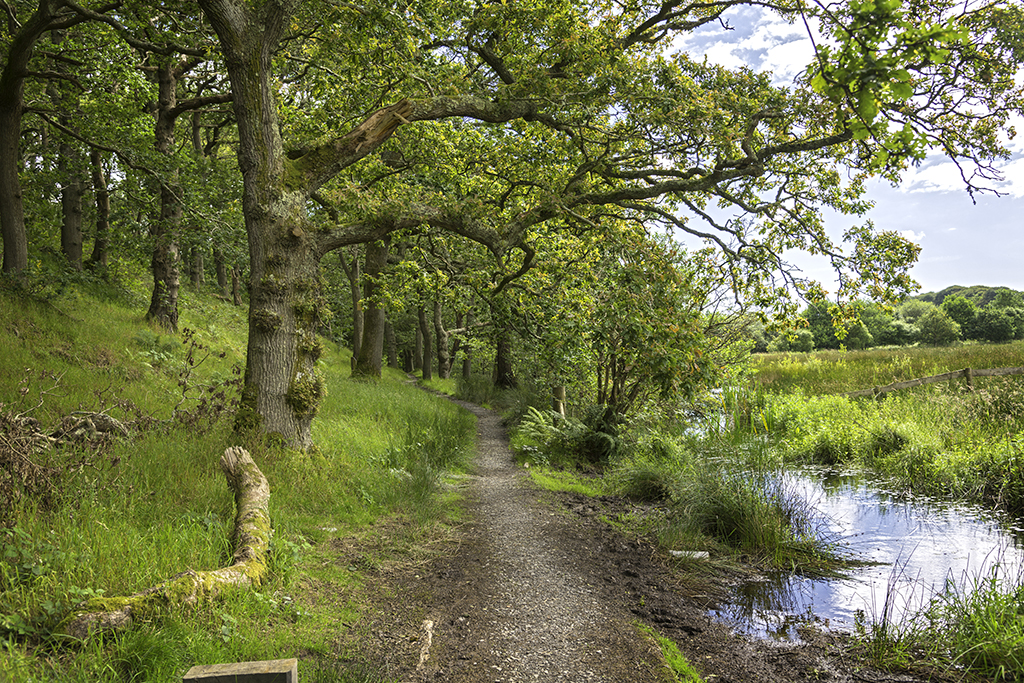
[[915, 544]]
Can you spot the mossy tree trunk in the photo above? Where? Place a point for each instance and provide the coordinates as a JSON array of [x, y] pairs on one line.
[[282, 387]]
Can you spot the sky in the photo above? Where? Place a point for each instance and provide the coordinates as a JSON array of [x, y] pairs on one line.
[[962, 242]]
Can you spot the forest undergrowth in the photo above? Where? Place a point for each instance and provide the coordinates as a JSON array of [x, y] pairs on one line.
[[111, 434]]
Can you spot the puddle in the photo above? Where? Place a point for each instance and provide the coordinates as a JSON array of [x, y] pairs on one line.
[[918, 544]]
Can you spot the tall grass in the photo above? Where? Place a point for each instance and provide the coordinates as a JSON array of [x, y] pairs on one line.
[[836, 372]]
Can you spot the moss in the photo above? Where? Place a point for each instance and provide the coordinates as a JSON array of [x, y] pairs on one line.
[[272, 285], [306, 311], [266, 321], [274, 260], [310, 345], [305, 393], [248, 419]]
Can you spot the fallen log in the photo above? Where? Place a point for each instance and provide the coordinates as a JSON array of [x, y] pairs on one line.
[[248, 567]]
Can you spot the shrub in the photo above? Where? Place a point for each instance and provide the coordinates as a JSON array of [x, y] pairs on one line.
[[937, 328]]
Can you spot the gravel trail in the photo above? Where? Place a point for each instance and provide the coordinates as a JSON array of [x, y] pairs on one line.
[[542, 620]]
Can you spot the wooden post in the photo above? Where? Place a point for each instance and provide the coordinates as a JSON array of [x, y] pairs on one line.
[[969, 376], [271, 671]]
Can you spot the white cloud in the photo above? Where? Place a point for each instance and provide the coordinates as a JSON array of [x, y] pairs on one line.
[[911, 235], [934, 176]]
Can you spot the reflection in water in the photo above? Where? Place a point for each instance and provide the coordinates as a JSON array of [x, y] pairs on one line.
[[915, 544]]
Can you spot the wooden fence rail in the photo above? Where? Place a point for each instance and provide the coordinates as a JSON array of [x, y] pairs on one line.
[[967, 373]]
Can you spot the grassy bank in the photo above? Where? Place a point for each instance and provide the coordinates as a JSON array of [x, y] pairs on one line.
[[116, 516], [944, 439]]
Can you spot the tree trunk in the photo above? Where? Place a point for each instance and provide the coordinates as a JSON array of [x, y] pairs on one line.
[[426, 364], [371, 351], [12, 105], [282, 385], [248, 565], [222, 272], [283, 388], [69, 166], [71, 206], [353, 272], [558, 399], [101, 245], [417, 354], [504, 378], [163, 305], [443, 359], [390, 343]]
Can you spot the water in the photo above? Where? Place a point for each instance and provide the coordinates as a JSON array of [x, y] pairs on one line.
[[914, 544]]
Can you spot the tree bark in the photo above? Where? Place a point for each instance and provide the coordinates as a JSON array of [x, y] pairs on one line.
[[371, 350], [71, 206], [69, 164], [248, 567], [163, 304], [353, 273], [504, 377], [283, 388], [417, 353]]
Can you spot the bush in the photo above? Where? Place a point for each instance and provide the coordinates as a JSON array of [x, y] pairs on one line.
[[937, 328]]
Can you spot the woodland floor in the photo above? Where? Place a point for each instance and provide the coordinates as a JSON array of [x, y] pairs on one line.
[[538, 586]]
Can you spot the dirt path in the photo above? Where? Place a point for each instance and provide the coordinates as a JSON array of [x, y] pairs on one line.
[[541, 588]]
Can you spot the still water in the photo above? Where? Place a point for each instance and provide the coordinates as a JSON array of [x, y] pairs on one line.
[[915, 546]]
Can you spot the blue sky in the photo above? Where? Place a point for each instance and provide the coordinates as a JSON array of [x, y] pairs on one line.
[[962, 243]]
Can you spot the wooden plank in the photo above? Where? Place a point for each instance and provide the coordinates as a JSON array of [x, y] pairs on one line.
[[269, 671], [998, 372]]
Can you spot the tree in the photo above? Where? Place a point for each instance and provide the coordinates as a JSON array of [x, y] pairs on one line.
[[635, 128], [912, 310], [994, 324], [963, 311], [937, 328]]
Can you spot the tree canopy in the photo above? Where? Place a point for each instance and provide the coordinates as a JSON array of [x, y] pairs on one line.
[[505, 123]]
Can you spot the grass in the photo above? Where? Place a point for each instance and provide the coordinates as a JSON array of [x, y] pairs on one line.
[[565, 481], [836, 372], [114, 522], [679, 667], [974, 625]]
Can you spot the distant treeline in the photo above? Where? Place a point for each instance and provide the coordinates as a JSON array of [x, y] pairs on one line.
[[957, 313]]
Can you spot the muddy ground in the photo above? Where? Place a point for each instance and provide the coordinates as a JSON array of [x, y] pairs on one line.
[[539, 586]]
